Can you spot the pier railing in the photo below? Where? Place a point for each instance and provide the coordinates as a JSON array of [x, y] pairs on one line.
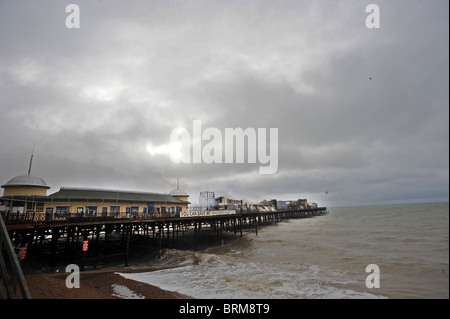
[[33, 217], [11, 276]]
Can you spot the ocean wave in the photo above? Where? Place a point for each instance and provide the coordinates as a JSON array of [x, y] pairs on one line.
[[206, 275]]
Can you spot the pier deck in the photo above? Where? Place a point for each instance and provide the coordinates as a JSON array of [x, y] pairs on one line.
[[163, 231]]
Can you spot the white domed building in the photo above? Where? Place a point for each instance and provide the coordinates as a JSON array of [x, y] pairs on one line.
[[25, 185]]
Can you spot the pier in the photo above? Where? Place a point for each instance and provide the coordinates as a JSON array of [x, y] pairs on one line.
[[68, 234], [77, 224]]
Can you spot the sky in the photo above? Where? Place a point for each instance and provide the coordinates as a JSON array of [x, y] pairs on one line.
[[362, 113]]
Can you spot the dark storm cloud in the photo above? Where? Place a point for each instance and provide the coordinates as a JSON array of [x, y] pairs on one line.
[[98, 98]]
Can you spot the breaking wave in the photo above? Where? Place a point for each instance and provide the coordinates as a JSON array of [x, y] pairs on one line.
[[205, 275]]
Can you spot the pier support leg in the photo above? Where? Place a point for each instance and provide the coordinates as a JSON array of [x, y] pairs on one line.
[[127, 244], [55, 236], [173, 233], [160, 241], [240, 225], [195, 235], [83, 262]]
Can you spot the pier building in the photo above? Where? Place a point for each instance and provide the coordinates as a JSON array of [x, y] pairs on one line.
[[27, 195]]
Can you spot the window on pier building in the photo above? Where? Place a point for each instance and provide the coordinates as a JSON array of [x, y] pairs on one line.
[[49, 213], [30, 206], [39, 207], [114, 210], [17, 210], [62, 211], [91, 210], [134, 210]]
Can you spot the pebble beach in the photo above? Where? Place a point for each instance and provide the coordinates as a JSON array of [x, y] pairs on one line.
[[95, 284]]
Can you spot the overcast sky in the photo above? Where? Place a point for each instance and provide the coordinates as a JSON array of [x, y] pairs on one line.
[[97, 98]]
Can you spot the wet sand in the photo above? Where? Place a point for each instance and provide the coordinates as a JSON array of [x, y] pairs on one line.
[[94, 284]]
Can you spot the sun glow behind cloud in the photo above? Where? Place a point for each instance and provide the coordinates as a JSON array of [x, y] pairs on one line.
[[172, 149]]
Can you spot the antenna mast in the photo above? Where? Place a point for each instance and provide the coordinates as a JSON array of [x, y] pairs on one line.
[[31, 159]]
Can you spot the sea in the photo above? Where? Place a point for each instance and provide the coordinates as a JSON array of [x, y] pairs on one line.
[[324, 257]]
